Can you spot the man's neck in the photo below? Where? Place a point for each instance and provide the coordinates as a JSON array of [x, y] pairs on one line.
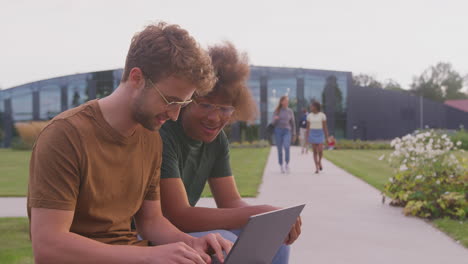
[[116, 110]]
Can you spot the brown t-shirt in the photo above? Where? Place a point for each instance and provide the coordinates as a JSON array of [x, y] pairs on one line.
[[80, 163]]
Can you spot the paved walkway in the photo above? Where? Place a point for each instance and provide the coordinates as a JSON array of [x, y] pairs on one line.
[[344, 221]]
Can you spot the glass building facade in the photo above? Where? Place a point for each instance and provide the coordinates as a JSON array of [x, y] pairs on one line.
[[42, 100]]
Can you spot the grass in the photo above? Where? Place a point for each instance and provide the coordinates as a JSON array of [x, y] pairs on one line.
[[247, 166], [15, 246], [14, 172], [457, 230], [365, 164]]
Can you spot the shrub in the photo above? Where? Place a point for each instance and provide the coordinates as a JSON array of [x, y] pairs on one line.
[[358, 144], [461, 136], [430, 181], [29, 131], [253, 144], [18, 144]]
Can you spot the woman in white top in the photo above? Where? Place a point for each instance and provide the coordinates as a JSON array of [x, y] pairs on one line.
[[318, 131]]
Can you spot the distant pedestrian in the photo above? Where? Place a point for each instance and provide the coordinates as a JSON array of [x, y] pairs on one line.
[[303, 132], [317, 132], [285, 130]]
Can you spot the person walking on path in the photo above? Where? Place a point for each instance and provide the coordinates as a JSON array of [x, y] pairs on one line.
[[196, 152], [285, 131], [317, 132], [303, 132]]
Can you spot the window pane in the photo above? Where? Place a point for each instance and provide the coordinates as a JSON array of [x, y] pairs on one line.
[[50, 103], [21, 104], [313, 89], [278, 88], [77, 93], [254, 86]]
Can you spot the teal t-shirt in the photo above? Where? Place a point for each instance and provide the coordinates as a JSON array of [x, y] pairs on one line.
[[191, 160]]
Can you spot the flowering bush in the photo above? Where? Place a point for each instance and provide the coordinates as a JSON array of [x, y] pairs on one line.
[[430, 180]]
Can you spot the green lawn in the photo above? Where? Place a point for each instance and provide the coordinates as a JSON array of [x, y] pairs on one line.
[[247, 167], [15, 246], [14, 172], [366, 165]]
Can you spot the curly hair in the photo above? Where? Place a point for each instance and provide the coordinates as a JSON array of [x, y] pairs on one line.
[[232, 71], [162, 50]]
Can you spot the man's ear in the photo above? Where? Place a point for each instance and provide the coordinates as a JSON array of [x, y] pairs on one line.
[[136, 77]]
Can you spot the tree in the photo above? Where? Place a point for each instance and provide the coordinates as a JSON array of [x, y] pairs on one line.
[[366, 80], [440, 82], [393, 85]]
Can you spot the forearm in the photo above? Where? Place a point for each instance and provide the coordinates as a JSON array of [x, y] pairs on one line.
[[237, 203], [160, 231], [72, 248], [194, 219]]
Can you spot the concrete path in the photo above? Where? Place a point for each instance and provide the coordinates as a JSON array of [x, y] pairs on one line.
[[344, 221]]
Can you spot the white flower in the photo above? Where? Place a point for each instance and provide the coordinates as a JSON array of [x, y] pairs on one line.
[[437, 182], [382, 157], [403, 167], [459, 143], [419, 177], [444, 135], [391, 180]]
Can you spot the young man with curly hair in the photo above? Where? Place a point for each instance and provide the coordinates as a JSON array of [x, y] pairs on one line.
[[96, 166], [196, 151]]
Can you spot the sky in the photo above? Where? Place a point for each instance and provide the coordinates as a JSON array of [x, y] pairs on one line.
[[395, 39]]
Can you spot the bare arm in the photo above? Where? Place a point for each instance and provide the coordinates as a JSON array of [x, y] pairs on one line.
[[54, 243], [232, 214], [307, 132], [153, 226]]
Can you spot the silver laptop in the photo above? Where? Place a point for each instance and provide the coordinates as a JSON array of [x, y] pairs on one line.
[[263, 236]]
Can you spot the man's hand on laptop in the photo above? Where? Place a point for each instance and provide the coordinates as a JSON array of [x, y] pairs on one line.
[[295, 232], [211, 244], [175, 253]]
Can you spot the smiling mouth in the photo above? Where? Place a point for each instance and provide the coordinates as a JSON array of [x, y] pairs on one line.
[[210, 128]]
